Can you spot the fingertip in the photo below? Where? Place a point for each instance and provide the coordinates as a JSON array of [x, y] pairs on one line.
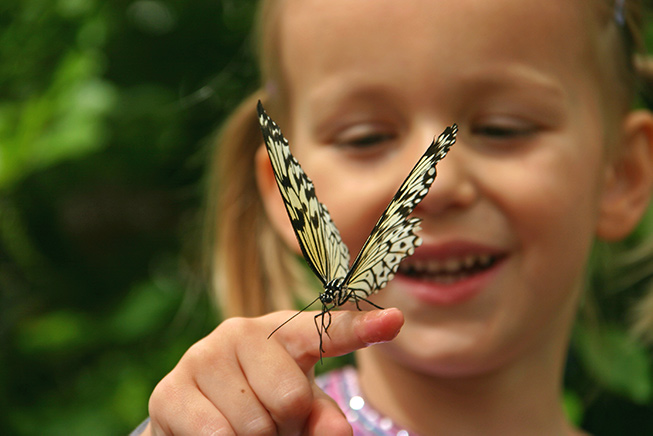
[[378, 326], [391, 314]]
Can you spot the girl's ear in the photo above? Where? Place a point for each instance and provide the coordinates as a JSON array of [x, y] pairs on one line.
[[272, 200], [629, 180]]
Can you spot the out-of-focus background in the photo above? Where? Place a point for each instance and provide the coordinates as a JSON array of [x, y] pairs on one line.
[[108, 110]]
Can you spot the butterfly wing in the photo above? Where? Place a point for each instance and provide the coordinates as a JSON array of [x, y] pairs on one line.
[[319, 238], [393, 237]]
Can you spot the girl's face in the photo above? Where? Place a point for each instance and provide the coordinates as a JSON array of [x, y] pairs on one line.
[[509, 221]]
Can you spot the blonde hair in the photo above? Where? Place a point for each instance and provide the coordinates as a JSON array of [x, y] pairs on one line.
[[253, 271]]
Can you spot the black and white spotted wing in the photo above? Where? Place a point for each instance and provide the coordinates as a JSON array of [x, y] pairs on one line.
[[319, 238], [391, 240]]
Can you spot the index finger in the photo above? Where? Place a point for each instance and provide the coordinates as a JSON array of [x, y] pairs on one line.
[[348, 331]]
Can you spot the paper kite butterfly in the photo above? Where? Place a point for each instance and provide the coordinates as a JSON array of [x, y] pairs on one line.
[[391, 240]]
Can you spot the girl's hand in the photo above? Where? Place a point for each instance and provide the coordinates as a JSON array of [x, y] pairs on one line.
[[236, 381]]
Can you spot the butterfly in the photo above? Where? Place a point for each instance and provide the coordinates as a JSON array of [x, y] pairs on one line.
[[391, 240]]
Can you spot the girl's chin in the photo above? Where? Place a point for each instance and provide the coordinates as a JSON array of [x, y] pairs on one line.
[[454, 359]]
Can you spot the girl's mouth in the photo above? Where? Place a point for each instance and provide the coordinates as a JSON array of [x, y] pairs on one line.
[[452, 276], [447, 271]]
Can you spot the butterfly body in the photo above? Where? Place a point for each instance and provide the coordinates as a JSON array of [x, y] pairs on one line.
[[391, 240], [333, 291]]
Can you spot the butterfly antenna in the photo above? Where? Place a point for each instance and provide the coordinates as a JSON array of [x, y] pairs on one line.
[[292, 317]]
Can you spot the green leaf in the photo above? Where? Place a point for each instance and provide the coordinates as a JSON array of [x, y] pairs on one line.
[[615, 360], [573, 407], [59, 331], [145, 309], [66, 121]]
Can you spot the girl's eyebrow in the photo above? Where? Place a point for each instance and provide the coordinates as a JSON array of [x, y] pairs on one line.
[[328, 102], [514, 77], [354, 89], [514, 80]]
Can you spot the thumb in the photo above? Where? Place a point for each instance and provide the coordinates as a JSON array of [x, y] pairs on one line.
[[326, 418]]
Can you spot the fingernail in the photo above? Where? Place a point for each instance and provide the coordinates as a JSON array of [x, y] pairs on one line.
[[378, 314], [380, 333], [373, 314]]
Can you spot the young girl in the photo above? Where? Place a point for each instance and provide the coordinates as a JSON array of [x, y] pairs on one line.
[[549, 156]]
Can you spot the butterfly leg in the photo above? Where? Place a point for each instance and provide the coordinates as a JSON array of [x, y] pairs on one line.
[[325, 327], [369, 302], [358, 299], [322, 327], [319, 328]]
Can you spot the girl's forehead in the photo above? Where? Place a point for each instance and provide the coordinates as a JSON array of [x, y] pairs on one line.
[[364, 16], [320, 37]]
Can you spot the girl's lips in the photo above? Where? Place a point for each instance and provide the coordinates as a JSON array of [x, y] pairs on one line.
[[450, 273]]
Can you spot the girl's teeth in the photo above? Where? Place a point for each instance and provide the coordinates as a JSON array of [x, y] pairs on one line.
[[450, 267], [485, 260]]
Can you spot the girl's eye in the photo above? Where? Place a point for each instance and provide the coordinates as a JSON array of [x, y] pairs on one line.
[[504, 130], [368, 140], [364, 137]]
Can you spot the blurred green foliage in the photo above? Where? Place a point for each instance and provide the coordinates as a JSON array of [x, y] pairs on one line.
[[107, 112]]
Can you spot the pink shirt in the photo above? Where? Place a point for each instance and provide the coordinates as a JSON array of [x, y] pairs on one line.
[[342, 386]]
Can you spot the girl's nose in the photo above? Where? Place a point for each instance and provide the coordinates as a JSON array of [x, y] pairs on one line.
[[454, 187]]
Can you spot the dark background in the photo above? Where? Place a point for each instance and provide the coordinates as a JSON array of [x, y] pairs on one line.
[[107, 115]]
